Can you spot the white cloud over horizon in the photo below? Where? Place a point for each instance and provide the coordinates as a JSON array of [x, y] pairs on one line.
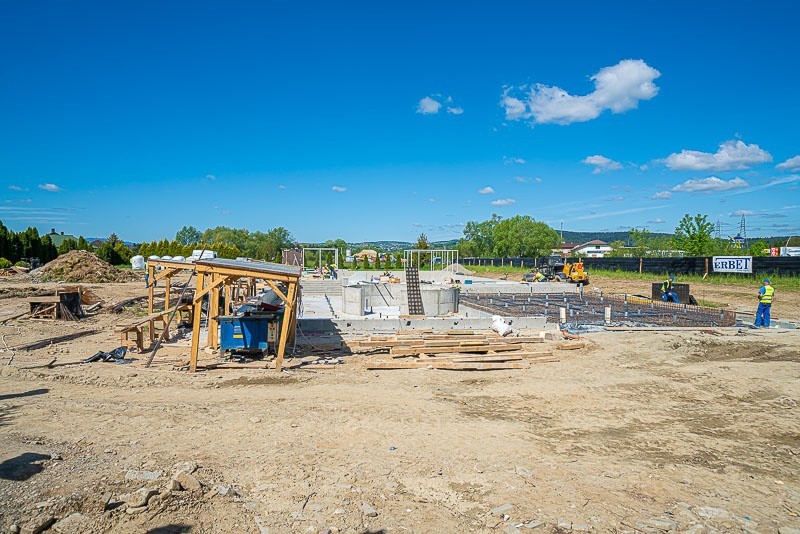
[[731, 155], [503, 202], [618, 88], [601, 163], [790, 164], [488, 190], [710, 184]]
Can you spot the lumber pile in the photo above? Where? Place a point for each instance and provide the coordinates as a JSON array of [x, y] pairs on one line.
[[456, 350]]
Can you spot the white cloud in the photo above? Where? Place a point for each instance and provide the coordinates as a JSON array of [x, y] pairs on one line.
[[15, 188], [522, 179], [618, 88], [740, 213], [504, 202], [431, 200], [662, 195], [455, 110], [428, 106], [731, 155], [486, 191], [709, 184], [618, 198], [513, 161], [601, 163], [211, 177], [338, 188], [281, 187], [790, 164], [538, 180], [657, 220], [53, 188]]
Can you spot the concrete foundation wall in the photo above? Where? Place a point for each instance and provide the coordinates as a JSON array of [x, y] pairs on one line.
[[437, 324], [436, 300]]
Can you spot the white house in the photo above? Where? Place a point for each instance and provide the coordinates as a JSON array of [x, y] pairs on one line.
[[592, 249]]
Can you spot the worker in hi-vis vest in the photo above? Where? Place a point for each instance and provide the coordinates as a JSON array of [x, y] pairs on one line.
[[667, 292], [765, 297]]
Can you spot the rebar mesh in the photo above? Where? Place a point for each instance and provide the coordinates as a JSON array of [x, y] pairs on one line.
[[598, 309]]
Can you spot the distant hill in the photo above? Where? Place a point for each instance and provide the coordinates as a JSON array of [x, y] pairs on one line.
[[569, 237]]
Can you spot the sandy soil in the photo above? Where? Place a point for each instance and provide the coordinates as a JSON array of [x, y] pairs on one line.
[[639, 432]]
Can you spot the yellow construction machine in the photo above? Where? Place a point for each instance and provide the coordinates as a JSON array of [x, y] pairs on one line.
[[573, 272]]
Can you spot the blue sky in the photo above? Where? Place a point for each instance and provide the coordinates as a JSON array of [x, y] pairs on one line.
[[368, 121]]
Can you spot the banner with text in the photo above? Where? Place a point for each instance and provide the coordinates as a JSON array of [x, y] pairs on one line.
[[733, 264]]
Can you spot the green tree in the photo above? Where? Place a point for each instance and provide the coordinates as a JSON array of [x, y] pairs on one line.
[[5, 264], [107, 253], [123, 254], [83, 244], [522, 236], [618, 249], [67, 245], [759, 249], [640, 241], [693, 235], [188, 235], [479, 237], [422, 242]]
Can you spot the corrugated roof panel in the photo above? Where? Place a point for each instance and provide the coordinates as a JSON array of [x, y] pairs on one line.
[[253, 266]]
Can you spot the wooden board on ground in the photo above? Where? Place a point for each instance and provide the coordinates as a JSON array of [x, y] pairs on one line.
[[571, 345], [453, 366], [411, 351]]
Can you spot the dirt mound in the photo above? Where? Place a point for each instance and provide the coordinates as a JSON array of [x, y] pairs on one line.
[[82, 266]]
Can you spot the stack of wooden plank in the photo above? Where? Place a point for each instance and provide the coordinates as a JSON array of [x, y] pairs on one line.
[[455, 350]]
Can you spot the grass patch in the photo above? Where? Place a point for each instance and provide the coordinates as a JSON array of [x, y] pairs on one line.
[[745, 280], [497, 269]]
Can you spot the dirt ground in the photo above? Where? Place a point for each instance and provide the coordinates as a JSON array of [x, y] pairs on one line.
[[692, 431]]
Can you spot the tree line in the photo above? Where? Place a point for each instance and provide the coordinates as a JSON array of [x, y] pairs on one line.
[[18, 247], [518, 236]]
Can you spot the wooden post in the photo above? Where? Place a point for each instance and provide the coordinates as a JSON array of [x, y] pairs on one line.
[[151, 288], [640, 265], [168, 280], [197, 312], [287, 318], [213, 312]]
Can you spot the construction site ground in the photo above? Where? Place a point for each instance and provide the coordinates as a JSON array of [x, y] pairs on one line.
[[638, 432]]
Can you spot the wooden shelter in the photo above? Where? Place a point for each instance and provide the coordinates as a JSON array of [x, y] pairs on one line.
[[215, 275]]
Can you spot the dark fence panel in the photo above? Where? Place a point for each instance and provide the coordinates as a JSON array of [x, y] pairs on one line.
[[787, 266]]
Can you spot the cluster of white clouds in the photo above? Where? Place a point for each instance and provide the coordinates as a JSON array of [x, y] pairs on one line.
[[526, 180], [618, 88], [601, 163], [712, 183], [430, 105], [488, 190], [53, 188], [507, 160], [731, 156]]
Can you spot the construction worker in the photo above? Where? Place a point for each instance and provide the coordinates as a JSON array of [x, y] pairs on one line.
[[766, 294], [538, 277], [667, 292]]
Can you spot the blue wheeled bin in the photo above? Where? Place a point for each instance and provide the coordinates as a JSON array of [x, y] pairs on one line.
[[249, 332]]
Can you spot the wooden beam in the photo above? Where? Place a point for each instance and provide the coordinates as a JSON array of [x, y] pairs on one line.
[[199, 294], [289, 309], [166, 273], [230, 271], [277, 291], [196, 313]]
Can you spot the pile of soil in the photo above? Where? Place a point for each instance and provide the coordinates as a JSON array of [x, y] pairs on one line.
[[82, 266]]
